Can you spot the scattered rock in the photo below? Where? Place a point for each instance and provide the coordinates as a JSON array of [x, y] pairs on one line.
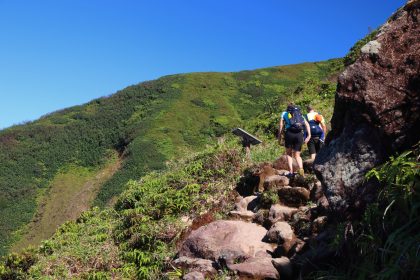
[[307, 181], [282, 172], [284, 267], [282, 233], [274, 182], [297, 248], [195, 275], [230, 240], [371, 48], [256, 268], [308, 165], [316, 191], [247, 216], [261, 218], [280, 213], [265, 170], [301, 222], [247, 203], [319, 224], [323, 202], [293, 196], [196, 264], [281, 163]]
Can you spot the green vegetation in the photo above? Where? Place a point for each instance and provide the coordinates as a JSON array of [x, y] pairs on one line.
[[148, 124], [71, 192], [354, 53], [149, 218], [152, 209], [79, 250]]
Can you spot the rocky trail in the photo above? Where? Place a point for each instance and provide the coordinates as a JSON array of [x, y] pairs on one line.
[[269, 235], [283, 232]]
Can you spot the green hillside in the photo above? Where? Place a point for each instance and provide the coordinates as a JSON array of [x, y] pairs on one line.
[[147, 124]]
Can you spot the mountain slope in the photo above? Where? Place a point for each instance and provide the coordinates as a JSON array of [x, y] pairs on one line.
[[147, 124]]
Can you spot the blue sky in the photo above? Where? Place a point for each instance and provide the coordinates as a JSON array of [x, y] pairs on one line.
[[56, 54]]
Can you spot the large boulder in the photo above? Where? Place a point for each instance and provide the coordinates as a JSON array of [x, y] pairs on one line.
[[376, 113], [228, 240]]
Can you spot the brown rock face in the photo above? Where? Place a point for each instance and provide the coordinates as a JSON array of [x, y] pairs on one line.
[[377, 111], [230, 240]]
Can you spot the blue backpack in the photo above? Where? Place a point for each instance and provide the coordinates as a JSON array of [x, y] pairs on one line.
[[296, 121], [316, 131]]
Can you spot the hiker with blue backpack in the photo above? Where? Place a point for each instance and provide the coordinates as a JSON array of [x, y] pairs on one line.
[[295, 125], [318, 130]]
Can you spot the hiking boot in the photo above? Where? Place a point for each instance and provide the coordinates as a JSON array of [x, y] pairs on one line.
[[290, 175]]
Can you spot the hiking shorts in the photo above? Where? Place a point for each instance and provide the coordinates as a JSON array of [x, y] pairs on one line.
[[314, 145], [293, 140]]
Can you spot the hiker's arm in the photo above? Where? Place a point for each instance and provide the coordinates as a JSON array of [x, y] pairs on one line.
[[308, 131], [324, 128]]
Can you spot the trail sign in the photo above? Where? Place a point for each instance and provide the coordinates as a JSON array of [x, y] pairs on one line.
[[247, 138]]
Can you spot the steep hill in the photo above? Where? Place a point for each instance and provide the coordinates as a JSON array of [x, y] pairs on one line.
[[147, 125]]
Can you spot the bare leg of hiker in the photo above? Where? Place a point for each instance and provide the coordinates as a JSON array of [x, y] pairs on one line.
[[299, 161], [289, 153]]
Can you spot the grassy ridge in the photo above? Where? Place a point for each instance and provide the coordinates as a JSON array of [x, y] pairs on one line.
[[148, 124]]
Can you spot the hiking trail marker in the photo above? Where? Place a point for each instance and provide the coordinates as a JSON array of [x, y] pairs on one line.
[[247, 140]]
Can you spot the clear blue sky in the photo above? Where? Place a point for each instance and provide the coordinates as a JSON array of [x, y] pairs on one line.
[[59, 53]]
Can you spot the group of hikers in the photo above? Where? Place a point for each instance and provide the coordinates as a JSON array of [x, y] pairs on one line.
[[298, 129]]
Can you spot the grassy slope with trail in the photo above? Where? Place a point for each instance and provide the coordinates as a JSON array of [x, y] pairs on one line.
[[148, 124], [146, 221]]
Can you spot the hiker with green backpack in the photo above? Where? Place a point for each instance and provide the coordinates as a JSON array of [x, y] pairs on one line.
[[295, 125]]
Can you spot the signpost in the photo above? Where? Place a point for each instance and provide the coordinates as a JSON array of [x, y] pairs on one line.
[[247, 140]]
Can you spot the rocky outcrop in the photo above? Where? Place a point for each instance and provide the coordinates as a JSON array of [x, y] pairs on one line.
[[377, 112], [247, 249]]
